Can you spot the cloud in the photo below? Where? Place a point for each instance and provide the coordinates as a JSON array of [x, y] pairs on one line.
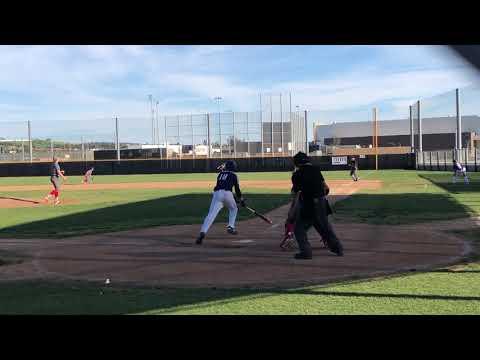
[[60, 83], [355, 89]]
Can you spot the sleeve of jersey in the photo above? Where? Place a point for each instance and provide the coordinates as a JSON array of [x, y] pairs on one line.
[[237, 187]]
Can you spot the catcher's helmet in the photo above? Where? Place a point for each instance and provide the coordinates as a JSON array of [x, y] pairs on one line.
[[301, 159], [231, 165]]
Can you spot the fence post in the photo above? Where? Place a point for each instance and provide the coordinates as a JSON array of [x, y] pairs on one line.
[[459, 121], [117, 141], [208, 136], [193, 140], [272, 150], [83, 149], [179, 140], [220, 133], [291, 125], [475, 159], [438, 163], [234, 137], [30, 140], [445, 160], [419, 117], [412, 135], [431, 161], [281, 126], [306, 134], [261, 123], [165, 137], [248, 138]]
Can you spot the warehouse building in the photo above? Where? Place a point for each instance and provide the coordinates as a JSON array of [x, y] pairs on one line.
[[438, 133]]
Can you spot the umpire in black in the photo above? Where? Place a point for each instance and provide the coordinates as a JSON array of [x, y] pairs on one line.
[[312, 209]]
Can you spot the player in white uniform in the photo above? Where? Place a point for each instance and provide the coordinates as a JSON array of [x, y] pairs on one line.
[[88, 177], [223, 196], [459, 170]]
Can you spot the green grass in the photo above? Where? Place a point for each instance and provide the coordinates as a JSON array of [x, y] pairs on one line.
[[406, 197], [455, 291], [125, 210], [411, 197], [114, 179]]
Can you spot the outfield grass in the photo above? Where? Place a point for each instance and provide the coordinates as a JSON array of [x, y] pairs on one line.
[[410, 197], [406, 197], [109, 211], [115, 179]]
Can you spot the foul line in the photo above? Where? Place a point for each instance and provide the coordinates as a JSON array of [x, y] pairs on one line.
[[19, 199]]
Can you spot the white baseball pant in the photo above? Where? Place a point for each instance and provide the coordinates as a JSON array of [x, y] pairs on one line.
[[220, 199]]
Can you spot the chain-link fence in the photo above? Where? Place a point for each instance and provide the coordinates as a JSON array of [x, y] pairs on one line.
[[212, 135], [442, 160], [440, 123]]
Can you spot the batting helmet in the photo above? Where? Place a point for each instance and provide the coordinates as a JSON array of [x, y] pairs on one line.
[[231, 165], [300, 159]]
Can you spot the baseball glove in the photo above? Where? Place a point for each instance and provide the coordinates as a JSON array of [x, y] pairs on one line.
[[289, 242]]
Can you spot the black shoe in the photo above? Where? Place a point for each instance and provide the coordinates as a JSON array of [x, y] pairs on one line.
[[231, 230], [338, 250], [303, 256], [200, 238]]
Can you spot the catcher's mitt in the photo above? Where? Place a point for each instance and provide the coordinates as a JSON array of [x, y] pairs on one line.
[[289, 242]]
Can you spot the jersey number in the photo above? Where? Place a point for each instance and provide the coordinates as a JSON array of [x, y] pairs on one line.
[[223, 177]]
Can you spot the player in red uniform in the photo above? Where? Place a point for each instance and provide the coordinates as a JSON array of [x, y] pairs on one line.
[[55, 175]]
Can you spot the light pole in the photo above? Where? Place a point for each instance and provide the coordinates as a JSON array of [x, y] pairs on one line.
[[218, 99]]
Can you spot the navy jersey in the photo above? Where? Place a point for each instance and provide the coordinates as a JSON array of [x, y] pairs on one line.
[[226, 180], [55, 170], [457, 167]]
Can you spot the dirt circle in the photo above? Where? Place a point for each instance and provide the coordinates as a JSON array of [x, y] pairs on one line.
[[167, 255]]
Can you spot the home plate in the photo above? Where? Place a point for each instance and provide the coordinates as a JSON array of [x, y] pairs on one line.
[[243, 241]]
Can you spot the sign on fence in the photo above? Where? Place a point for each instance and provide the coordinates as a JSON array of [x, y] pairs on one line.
[[339, 160]]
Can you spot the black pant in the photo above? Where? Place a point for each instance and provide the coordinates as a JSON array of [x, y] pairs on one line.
[[315, 216], [353, 173]]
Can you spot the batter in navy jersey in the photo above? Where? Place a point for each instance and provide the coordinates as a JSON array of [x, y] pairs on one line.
[[223, 196]]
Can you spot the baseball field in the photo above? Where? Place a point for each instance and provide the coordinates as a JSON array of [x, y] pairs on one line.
[[411, 247]]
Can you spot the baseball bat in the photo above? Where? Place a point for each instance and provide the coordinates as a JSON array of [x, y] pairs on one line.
[[263, 217]]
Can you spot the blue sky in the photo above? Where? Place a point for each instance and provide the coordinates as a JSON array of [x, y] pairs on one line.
[[92, 84]]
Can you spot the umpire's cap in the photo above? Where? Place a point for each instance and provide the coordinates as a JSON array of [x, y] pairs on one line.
[[301, 159], [231, 165]]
